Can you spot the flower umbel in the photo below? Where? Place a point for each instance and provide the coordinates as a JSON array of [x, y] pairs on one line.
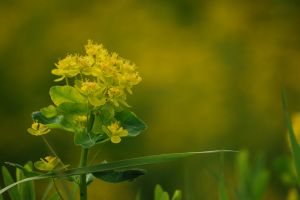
[[100, 75], [116, 132], [38, 129]]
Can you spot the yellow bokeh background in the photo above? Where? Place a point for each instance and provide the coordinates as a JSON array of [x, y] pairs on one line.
[[212, 74]]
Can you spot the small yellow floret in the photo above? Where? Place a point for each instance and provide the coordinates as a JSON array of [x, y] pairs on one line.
[[116, 132], [38, 129], [46, 164], [89, 88]]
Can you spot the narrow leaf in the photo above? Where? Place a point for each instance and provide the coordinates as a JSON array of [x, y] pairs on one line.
[[117, 176], [26, 190], [294, 145], [117, 165], [177, 195], [223, 195], [158, 192], [8, 180]]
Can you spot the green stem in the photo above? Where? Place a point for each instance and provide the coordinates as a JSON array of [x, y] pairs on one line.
[[56, 189], [83, 185]]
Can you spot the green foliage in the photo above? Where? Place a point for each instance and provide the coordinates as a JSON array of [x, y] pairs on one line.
[[294, 145], [117, 176], [8, 180], [160, 194], [131, 122], [63, 94], [285, 170], [56, 122], [117, 165], [222, 189], [25, 190], [252, 181], [55, 196]]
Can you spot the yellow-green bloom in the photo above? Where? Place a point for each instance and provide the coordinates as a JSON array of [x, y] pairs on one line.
[[102, 76], [67, 67], [116, 132], [46, 164], [95, 50], [94, 92], [38, 129], [89, 88]]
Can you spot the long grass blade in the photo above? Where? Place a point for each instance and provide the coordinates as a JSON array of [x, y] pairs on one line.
[[122, 164], [294, 145], [8, 180]]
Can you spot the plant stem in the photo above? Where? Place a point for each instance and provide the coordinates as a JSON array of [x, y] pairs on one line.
[[57, 190], [83, 185]]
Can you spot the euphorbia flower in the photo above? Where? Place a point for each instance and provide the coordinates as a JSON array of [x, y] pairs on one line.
[[46, 164], [38, 129], [116, 132]]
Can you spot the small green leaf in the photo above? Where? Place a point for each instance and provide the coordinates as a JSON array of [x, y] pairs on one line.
[[68, 108], [160, 194], [26, 190], [49, 111], [84, 139], [117, 176], [8, 180], [62, 94], [177, 195], [131, 122], [59, 121], [107, 113]]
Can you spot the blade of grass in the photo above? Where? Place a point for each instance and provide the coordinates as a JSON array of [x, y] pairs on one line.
[[8, 180], [26, 190], [294, 145], [223, 194], [122, 164], [47, 190]]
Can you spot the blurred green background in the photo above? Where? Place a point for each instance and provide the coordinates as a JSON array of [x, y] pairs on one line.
[[212, 73]]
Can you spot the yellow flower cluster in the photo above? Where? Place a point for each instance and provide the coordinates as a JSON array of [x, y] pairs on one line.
[[99, 75], [116, 132]]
